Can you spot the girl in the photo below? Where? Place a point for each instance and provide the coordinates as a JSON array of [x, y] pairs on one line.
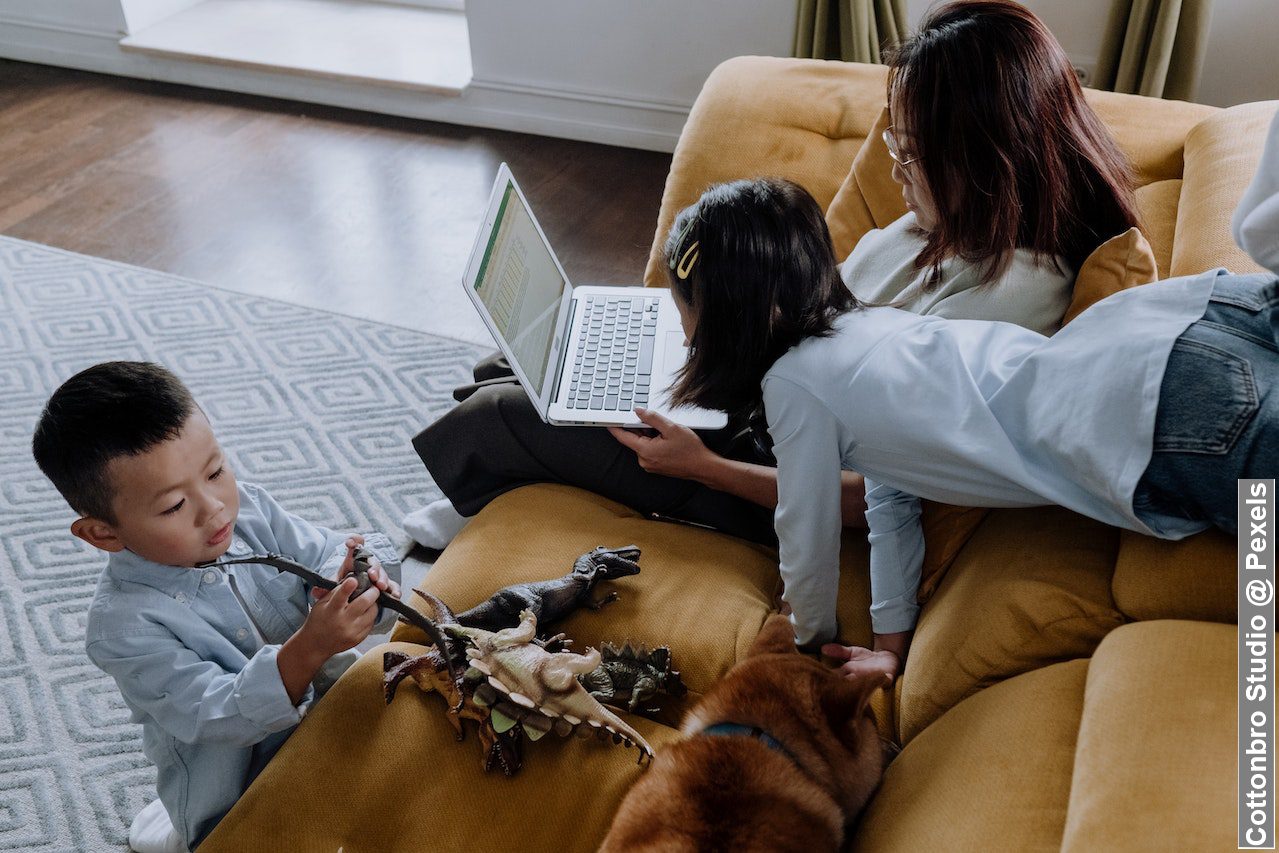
[[1010, 181], [967, 412]]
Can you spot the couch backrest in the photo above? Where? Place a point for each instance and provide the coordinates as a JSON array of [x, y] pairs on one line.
[[806, 120]]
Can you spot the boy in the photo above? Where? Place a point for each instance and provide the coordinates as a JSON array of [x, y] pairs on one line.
[[218, 663]]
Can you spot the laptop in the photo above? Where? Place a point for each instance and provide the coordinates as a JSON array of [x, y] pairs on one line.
[[586, 356]]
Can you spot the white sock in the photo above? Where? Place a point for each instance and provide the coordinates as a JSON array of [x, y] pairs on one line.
[[152, 831], [435, 524]]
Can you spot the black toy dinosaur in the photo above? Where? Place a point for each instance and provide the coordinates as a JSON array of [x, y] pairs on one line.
[[552, 600], [360, 569]]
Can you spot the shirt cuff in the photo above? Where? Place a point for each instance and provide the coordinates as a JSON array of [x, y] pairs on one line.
[[261, 697], [894, 615], [807, 634]]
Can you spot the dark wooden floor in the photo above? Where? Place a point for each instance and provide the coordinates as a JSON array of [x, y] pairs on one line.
[[356, 212]]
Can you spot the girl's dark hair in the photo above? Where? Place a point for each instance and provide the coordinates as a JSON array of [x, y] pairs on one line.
[[113, 409], [1012, 154], [761, 277]]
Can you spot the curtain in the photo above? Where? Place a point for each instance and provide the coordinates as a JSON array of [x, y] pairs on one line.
[[1154, 47], [851, 30]]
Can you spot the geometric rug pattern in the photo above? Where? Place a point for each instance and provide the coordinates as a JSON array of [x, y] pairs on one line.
[[316, 407]]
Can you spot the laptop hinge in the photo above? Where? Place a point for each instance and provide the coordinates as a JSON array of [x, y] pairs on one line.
[[565, 349]]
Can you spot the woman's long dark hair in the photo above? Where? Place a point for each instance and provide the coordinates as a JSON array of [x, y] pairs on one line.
[[1011, 153], [760, 276]]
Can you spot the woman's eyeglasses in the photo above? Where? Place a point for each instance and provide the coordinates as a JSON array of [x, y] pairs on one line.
[[894, 151]]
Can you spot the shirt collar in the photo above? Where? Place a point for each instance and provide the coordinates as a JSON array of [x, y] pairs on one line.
[[170, 580]]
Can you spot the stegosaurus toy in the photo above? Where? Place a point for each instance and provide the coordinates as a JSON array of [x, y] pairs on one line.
[[630, 675]]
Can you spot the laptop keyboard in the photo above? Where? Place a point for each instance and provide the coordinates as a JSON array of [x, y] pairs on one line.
[[613, 358]]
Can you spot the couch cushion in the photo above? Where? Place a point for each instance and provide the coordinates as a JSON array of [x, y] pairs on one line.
[[1150, 131], [362, 775], [1157, 203], [1155, 763], [992, 774], [869, 197], [1222, 153], [748, 122], [704, 594], [1194, 578], [1121, 262], [1031, 587]]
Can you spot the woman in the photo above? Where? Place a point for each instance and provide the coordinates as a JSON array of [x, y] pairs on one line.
[[1143, 413], [1010, 181]]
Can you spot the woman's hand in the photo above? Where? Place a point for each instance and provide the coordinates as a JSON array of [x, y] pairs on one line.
[[861, 662], [676, 451]]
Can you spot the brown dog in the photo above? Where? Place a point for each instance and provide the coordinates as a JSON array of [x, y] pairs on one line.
[[781, 754]]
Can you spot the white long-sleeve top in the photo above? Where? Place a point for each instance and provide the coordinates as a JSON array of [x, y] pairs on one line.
[[881, 269], [966, 412]]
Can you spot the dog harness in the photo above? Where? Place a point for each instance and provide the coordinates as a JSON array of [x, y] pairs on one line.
[[739, 730]]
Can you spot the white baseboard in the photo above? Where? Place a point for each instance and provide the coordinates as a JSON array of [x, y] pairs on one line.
[[502, 105]]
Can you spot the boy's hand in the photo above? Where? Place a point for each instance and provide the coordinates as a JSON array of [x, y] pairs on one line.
[[861, 662], [335, 624], [377, 575]]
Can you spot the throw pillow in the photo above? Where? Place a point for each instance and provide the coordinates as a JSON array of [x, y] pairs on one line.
[[869, 197], [1119, 263]]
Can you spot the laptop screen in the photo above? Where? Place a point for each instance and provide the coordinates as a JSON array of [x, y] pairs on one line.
[[521, 286]]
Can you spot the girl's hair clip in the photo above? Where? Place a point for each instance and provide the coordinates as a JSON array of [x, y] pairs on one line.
[[682, 263]]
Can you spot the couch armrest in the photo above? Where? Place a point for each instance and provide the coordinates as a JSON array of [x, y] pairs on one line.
[[800, 119], [1221, 156]]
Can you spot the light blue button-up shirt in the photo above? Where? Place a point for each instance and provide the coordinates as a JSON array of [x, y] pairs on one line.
[[964, 412], [193, 652]]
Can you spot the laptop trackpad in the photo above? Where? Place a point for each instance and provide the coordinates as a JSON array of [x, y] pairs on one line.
[[674, 354]]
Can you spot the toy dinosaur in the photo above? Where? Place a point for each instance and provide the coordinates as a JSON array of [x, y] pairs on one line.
[[629, 675], [552, 600], [542, 685], [430, 673], [361, 565]]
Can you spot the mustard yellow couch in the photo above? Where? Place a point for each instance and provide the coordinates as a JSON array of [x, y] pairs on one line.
[[1070, 687]]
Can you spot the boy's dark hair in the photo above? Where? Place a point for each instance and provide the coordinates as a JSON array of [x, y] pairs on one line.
[[759, 276], [113, 409]]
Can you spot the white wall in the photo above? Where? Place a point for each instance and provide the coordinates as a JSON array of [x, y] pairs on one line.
[[76, 16], [656, 51], [620, 72], [1239, 65]]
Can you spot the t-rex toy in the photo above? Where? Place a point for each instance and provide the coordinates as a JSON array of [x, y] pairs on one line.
[[552, 600]]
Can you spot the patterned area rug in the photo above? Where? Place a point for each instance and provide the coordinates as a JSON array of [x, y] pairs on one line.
[[316, 407]]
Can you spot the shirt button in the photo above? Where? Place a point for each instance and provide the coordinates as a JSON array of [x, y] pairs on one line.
[[238, 544], [241, 634], [180, 598], [210, 576]]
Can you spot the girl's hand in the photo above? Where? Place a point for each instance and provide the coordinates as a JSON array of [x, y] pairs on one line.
[[861, 662], [676, 451]]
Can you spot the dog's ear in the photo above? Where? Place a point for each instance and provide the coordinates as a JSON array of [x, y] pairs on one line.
[[777, 637], [844, 699]]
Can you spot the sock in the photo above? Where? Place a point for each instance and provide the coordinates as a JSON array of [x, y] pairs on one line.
[[435, 524], [152, 831]]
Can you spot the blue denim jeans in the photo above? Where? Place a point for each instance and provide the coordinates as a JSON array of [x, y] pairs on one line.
[[1218, 415]]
